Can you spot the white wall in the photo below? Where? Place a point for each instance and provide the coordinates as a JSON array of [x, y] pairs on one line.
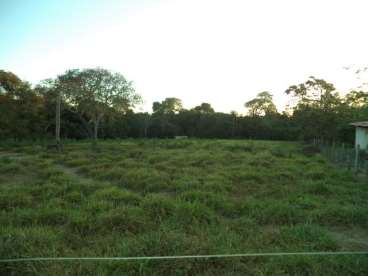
[[361, 137]]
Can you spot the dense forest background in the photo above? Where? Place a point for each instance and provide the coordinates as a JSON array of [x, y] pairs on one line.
[[98, 100]]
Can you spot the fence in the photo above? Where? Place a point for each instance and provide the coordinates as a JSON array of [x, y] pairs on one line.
[[346, 156]]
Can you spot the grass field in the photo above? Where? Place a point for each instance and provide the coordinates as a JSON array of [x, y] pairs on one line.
[[179, 197]]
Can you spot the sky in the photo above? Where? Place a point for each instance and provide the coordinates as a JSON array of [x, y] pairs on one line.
[[219, 51]]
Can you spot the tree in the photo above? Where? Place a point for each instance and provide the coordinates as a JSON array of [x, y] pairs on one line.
[[21, 115], [10, 83], [204, 108], [316, 112], [97, 92], [314, 92], [261, 105], [356, 98], [47, 88], [163, 113], [169, 105]]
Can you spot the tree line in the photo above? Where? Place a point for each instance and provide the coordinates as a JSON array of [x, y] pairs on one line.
[[96, 103]]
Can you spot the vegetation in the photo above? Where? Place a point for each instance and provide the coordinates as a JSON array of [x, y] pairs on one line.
[[151, 197], [261, 105], [99, 103]]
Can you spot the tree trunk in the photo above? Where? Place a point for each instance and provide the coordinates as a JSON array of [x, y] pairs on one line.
[[96, 124]]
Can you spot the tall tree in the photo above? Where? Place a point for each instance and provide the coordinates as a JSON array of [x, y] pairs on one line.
[[21, 115], [261, 105], [169, 105], [204, 108], [316, 112], [314, 93], [97, 92], [163, 113], [357, 98], [10, 83]]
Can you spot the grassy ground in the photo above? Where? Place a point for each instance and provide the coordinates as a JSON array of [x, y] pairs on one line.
[[170, 197]]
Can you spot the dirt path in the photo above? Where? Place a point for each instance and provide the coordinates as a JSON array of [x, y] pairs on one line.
[[71, 172]]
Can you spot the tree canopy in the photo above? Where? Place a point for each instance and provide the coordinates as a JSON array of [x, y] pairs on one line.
[[99, 103], [204, 108], [261, 105], [96, 92], [167, 106]]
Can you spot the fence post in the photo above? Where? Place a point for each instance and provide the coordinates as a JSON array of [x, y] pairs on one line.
[[357, 151]]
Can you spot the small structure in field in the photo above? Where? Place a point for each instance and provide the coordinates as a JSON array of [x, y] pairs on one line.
[[181, 137], [2, 90], [361, 135]]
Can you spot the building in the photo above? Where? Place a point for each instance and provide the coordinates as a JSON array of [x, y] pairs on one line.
[[2, 90], [361, 134]]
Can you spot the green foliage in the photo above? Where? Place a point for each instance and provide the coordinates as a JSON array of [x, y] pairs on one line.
[[97, 102], [261, 105], [169, 105]]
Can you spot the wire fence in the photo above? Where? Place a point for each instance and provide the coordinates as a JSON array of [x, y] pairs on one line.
[[140, 258], [347, 156]]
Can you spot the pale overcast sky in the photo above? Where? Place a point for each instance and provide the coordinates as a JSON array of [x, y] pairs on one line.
[[221, 52]]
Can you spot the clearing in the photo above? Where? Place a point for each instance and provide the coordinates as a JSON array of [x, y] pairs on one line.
[[179, 197]]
